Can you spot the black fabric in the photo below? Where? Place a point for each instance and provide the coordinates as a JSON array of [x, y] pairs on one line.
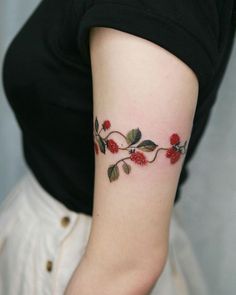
[[47, 78]]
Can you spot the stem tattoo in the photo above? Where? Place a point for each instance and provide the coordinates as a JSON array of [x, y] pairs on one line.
[[134, 147]]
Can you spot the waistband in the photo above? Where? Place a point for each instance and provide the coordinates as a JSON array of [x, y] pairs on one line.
[[43, 204], [47, 208]]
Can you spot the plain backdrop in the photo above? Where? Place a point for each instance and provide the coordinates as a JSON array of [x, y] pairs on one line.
[[208, 206]]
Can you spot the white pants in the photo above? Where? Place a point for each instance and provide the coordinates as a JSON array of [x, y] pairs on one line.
[[41, 243]]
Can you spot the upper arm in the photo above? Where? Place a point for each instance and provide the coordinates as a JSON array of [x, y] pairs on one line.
[[147, 94]]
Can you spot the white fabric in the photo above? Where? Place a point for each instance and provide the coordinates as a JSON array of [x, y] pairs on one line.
[[32, 233]]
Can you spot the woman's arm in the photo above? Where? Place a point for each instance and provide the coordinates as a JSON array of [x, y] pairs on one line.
[[149, 97]]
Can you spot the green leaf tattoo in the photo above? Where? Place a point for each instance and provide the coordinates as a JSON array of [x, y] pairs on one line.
[[147, 146], [96, 124], [133, 136], [126, 167], [101, 144], [113, 172]]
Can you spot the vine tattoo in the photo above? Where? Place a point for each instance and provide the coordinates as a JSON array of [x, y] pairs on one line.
[[134, 148]]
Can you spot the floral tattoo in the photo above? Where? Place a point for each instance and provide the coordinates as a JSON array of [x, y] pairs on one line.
[[135, 150]]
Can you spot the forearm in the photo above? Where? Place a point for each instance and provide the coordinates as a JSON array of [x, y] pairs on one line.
[[90, 279]]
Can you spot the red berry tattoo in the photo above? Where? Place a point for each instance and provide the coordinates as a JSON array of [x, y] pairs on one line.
[[96, 148], [112, 146], [132, 138], [176, 150], [138, 158], [106, 125], [174, 139]]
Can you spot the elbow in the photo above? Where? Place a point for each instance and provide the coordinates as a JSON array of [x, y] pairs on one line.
[[151, 271], [135, 277], [145, 273]]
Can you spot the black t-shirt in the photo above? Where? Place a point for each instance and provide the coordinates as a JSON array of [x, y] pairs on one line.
[[48, 82]]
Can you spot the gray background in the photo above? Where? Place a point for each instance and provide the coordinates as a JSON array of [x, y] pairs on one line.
[[208, 206]]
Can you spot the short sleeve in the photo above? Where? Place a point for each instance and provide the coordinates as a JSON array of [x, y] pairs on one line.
[[179, 27]]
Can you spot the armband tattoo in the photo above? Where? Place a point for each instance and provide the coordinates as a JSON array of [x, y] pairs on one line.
[[134, 148]]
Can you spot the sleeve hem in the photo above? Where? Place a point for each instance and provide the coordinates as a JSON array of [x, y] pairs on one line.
[[165, 33]]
